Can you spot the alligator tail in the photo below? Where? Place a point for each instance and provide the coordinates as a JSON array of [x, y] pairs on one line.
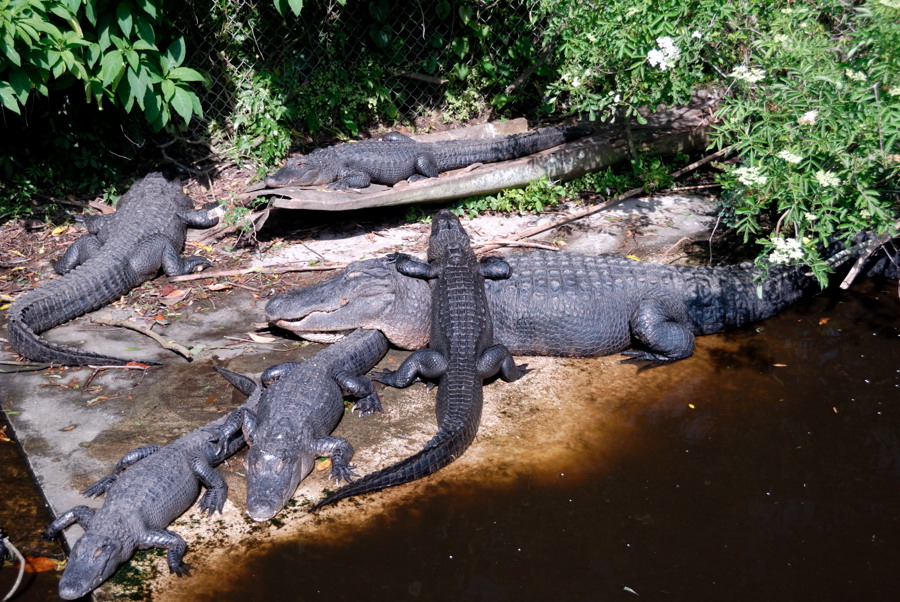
[[58, 301], [443, 449]]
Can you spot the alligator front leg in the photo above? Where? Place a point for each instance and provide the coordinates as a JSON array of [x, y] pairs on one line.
[[161, 538], [350, 178], [200, 218], [340, 451], [409, 266], [135, 455], [424, 363], [213, 500], [660, 324], [360, 387], [494, 268], [79, 514], [85, 247]]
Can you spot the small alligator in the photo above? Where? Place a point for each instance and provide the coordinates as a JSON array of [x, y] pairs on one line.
[[397, 157], [556, 304], [300, 404], [461, 354], [150, 487], [119, 252]]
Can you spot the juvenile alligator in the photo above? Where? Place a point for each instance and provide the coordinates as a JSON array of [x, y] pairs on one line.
[[398, 157], [556, 304], [119, 252], [300, 404], [150, 487], [461, 354]]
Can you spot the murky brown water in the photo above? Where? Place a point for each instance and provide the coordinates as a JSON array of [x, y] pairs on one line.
[[767, 467]]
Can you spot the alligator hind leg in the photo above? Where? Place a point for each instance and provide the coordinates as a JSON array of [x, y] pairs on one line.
[[497, 359], [135, 455], [81, 250], [424, 363], [426, 167], [79, 514], [494, 268], [158, 251], [162, 538], [661, 324]]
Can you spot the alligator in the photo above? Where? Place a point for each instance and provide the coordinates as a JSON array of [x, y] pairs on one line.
[[120, 251], [557, 304], [300, 405], [398, 157], [460, 355], [149, 488]]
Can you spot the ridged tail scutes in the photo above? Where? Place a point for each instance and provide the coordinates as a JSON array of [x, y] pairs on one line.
[[443, 449], [59, 301]]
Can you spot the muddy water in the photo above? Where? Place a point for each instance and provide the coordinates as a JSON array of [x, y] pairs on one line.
[[766, 467]]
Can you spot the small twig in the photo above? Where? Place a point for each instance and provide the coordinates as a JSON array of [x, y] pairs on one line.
[[22, 366], [867, 250], [96, 370], [170, 345], [518, 243], [677, 242], [278, 269], [698, 187]]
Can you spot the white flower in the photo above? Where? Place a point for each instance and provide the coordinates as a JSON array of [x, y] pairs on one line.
[[790, 157], [664, 56], [786, 250], [744, 73], [617, 98], [750, 176], [857, 76], [827, 179], [809, 117], [697, 35], [890, 3], [894, 91], [810, 217]]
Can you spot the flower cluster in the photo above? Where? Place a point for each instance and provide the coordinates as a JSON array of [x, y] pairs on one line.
[[790, 157], [857, 76], [787, 250], [809, 117], [827, 179], [750, 176], [664, 56], [751, 76]]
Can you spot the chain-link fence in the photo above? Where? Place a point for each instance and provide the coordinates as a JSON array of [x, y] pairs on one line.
[[340, 66]]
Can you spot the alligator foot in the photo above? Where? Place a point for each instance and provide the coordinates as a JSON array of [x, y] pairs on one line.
[[368, 405]]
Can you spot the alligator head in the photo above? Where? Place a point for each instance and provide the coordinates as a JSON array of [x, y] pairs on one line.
[[367, 294], [93, 560], [449, 239], [276, 463], [303, 171]]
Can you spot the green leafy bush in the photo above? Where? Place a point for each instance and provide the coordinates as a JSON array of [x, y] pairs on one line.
[[112, 49]]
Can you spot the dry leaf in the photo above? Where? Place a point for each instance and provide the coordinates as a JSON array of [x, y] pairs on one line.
[[823, 321], [174, 297], [40, 564], [68, 428], [261, 339], [324, 464], [220, 286], [58, 230]]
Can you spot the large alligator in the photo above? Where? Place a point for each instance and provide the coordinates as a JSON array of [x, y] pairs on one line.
[[119, 252], [149, 488], [300, 404], [397, 157], [460, 355], [555, 304]]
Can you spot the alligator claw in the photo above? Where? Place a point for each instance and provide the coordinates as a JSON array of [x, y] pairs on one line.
[[343, 473], [368, 405], [384, 377], [212, 501], [182, 569]]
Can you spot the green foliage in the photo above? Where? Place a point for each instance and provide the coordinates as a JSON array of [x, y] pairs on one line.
[[114, 50], [813, 108], [815, 119], [534, 198]]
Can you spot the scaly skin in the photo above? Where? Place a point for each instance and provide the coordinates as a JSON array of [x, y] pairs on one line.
[[398, 157], [555, 304], [460, 356], [300, 405], [150, 487], [119, 252]]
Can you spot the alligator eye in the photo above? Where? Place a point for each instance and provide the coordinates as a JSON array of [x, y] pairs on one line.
[[280, 466], [98, 552]]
